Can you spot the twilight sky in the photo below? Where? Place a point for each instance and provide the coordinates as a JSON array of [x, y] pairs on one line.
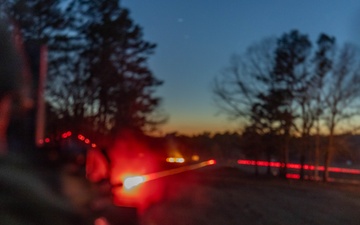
[[196, 38]]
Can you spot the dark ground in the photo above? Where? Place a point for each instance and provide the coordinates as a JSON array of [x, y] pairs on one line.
[[217, 196]]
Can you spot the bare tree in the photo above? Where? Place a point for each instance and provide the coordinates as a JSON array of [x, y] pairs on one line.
[[282, 87], [98, 72], [342, 96], [292, 77], [238, 86], [323, 61], [238, 90]]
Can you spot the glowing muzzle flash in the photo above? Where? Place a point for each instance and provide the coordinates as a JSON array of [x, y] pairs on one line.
[[131, 182]]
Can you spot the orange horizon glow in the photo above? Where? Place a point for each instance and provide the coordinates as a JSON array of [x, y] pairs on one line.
[[195, 126]]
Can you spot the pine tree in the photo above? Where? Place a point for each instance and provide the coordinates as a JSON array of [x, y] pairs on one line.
[[98, 74]]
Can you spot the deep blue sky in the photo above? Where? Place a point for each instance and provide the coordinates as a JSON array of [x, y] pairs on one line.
[[196, 38]]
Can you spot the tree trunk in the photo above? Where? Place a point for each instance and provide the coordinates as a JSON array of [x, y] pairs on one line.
[[285, 161], [304, 150], [317, 157], [328, 155]]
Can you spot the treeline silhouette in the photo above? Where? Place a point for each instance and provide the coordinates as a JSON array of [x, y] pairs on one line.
[[98, 79], [296, 89], [228, 147]]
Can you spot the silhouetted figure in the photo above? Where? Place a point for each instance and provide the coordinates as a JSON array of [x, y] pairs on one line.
[[31, 193]]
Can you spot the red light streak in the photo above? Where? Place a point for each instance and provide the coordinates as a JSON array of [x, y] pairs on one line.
[[132, 192], [66, 134], [293, 176], [130, 166], [165, 173], [298, 166], [130, 182], [128, 159]]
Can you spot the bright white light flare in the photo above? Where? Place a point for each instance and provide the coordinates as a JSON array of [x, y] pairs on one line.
[[131, 182], [175, 160]]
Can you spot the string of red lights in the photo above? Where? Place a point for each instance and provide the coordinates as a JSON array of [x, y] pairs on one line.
[[297, 166], [68, 134]]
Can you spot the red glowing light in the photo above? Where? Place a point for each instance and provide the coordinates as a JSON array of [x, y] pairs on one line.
[[297, 166], [134, 193], [127, 163], [47, 140], [344, 170], [294, 166], [87, 141], [66, 134], [81, 137], [293, 176], [93, 145], [101, 221], [97, 167]]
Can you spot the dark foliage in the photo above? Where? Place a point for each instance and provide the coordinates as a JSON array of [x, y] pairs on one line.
[[98, 76]]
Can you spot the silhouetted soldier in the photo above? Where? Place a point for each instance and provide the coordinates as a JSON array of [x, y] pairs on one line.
[[30, 191]]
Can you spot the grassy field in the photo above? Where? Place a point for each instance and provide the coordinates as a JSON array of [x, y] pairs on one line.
[[230, 196]]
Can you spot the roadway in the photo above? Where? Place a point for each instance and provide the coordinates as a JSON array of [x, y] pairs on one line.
[[219, 195]]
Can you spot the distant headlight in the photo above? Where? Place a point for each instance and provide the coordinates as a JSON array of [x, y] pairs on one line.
[[175, 160]]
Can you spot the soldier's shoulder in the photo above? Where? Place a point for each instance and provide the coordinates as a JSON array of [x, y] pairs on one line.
[[25, 198]]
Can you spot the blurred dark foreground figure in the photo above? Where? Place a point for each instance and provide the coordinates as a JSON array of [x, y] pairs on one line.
[[33, 192], [25, 198]]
